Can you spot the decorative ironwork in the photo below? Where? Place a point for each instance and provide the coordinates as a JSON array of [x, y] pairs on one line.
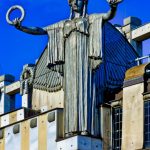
[[147, 124], [117, 128]]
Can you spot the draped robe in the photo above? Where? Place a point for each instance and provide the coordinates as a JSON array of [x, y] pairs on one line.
[[77, 44]]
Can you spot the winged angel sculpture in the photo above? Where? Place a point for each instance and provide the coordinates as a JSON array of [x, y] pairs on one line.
[[77, 44]]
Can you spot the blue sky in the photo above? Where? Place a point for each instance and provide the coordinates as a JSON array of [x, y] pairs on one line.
[[18, 48]]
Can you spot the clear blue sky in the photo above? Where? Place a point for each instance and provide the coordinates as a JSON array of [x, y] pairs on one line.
[[17, 48]]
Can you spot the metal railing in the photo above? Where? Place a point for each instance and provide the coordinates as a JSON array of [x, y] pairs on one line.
[[138, 60]]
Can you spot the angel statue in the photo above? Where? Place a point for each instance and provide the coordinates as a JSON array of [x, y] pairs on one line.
[[76, 43]]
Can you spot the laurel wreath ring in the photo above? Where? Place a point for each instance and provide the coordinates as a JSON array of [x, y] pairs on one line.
[[11, 9]]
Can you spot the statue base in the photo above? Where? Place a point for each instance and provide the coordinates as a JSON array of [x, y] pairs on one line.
[[80, 142]]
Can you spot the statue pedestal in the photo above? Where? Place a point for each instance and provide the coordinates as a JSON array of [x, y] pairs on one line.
[[79, 142]]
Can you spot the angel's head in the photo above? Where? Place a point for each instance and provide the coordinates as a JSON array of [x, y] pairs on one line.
[[77, 5]]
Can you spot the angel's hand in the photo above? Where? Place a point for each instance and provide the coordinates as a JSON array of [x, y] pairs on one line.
[[16, 22], [114, 2]]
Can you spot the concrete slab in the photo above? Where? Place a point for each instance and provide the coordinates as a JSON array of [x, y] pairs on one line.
[[142, 33]]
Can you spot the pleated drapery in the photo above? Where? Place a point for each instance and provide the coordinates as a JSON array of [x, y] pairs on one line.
[[74, 59]]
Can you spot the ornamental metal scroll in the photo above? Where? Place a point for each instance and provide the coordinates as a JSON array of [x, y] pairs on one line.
[[11, 9]]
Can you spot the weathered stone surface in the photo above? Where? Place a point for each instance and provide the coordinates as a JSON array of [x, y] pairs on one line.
[[13, 88], [16, 116], [142, 33], [106, 126], [52, 100], [127, 29], [132, 129]]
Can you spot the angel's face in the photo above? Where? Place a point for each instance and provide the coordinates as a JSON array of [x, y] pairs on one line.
[[77, 5]]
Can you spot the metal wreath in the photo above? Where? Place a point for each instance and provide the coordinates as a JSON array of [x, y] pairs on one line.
[[31, 70], [12, 9]]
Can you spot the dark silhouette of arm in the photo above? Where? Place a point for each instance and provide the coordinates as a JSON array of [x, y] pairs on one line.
[[29, 30], [32, 30]]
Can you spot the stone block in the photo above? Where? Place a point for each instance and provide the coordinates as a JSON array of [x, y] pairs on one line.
[[132, 20], [7, 77], [133, 121], [25, 100], [5, 120], [142, 33], [127, 28], [13, 88], [128, 35]]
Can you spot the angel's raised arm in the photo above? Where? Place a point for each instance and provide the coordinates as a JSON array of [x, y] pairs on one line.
[[113, 9], [17, 22]]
